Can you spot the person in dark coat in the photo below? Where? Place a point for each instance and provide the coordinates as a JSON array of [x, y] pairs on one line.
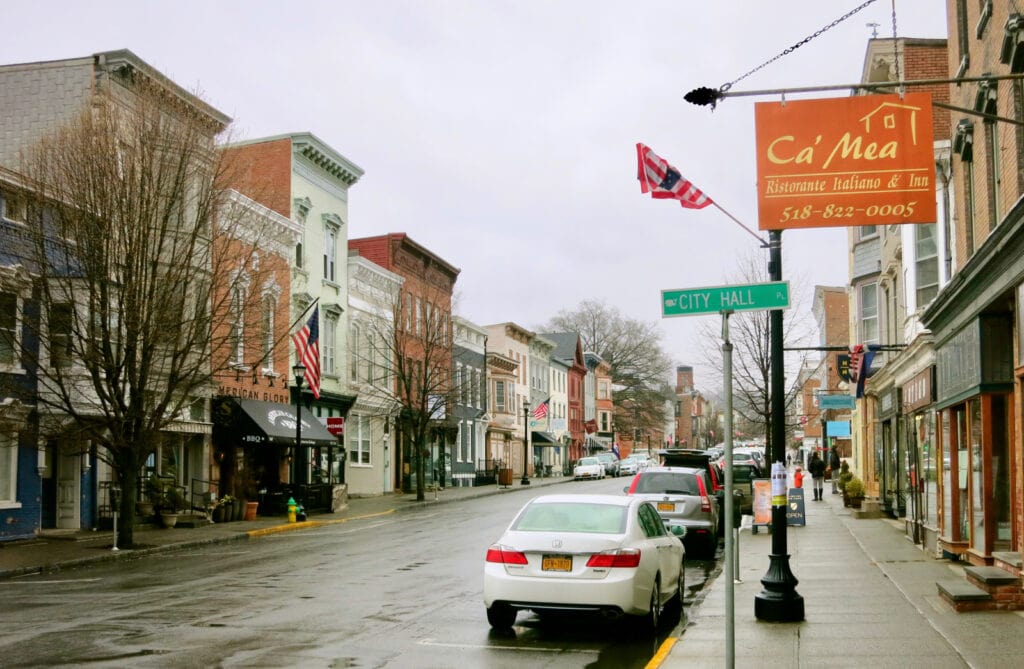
[[834, 464], [816, 468]]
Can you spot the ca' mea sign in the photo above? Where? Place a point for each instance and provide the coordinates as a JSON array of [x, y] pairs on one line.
[[717, 299], [836, 162]]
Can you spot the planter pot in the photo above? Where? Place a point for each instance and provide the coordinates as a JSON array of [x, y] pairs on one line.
[[144, 509], [220, 514], [250, 510], [856, 501], [238, 510], [846, 500], [169, 519]]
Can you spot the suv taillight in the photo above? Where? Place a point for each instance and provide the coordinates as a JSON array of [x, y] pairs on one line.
[[705, 503]]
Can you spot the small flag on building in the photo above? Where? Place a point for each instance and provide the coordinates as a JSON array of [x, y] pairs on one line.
[[307, 346], [542, 409], [663, 181]]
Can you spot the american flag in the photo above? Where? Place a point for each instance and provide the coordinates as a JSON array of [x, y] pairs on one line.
[[307, 346], [542, 409], [663, 181]]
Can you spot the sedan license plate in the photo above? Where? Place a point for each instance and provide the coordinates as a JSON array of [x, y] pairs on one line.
[[666, 506], [556, 563]]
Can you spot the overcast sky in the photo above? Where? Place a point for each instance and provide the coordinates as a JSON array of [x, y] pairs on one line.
[[501, 135]]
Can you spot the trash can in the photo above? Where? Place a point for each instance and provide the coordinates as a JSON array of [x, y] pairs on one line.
[[505, 476]]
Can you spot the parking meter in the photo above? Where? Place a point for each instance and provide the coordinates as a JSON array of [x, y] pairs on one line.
[[115, 505]]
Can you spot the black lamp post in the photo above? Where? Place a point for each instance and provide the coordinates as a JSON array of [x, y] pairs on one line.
[[779, 601], [526, 439], [300, 375]]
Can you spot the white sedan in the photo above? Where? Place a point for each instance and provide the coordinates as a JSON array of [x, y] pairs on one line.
[[606, 554], [588, 468]]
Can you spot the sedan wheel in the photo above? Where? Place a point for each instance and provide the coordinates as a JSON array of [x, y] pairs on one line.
[[677, 601], [649, 622], [501, 616]]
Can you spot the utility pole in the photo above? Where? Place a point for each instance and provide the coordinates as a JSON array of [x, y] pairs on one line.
[[779, 601]]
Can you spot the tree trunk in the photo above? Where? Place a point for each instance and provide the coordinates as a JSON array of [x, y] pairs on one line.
[[420, 469], [129, 480]]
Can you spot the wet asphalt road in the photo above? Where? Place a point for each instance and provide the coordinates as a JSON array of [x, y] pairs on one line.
[[403, 590]]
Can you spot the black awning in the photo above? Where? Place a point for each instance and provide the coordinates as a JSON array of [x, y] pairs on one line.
[[255, 421], [544, 439]]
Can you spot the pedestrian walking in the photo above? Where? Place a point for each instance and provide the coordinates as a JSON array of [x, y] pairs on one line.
[[816, 468], [834, 463]]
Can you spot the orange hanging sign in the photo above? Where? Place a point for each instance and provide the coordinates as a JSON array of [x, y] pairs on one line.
[[836, 162]]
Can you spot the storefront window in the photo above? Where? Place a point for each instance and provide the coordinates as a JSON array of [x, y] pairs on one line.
[[925, 482], [947, 473], [977, 484], [1000, 464], [961, 463]]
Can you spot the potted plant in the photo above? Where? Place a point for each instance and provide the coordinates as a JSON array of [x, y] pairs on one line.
[[854, 489], [845, 476], [223, 509], [172, 502]]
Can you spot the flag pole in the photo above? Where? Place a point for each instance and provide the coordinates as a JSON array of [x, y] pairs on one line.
[[303, 314], [764, 244]]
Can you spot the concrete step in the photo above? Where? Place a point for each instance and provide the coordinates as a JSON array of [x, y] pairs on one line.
[[963, 596]]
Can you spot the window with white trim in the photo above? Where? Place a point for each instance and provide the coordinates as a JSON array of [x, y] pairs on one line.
[[353, 353], [327, 343], [869, 313], [926, 263], [8, 468], [10, 341], [499, 396], [267, 331], [236, 336], [332, 230], [357, 437], [60, 335]]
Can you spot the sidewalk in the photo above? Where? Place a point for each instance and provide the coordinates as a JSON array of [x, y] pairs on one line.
[[869, 601], [65, 549]]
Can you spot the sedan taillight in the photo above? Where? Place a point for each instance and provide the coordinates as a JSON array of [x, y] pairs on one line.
[[705, 504], [505, 555], [620, 557]]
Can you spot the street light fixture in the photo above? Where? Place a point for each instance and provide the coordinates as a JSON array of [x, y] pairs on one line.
[[526, 439], [300, 375]]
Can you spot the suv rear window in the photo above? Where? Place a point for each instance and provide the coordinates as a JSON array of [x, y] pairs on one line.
[[674, 483]]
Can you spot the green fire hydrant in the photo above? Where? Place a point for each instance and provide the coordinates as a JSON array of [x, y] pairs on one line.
[[293, 509]]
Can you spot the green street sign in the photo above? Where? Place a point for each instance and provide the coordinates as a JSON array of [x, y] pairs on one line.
[[716, 299]]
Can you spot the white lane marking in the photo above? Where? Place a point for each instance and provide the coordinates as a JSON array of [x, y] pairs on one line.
[[70, 580], [487, 646]]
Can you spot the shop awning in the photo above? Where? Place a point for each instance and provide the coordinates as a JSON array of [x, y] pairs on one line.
[[255, 421], [543, 439], [595, 443]]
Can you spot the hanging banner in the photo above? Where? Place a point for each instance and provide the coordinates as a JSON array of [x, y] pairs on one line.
[[837, 162]]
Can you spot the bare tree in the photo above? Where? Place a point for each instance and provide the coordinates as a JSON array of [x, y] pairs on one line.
[[749, 333], [126, 205], [405, 358], [639, 366]]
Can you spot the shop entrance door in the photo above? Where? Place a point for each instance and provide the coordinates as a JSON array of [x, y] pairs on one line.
[[69, 482]]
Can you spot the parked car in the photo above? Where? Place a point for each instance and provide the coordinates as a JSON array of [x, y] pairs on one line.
[[686, 457], [588, 468], [604, 554], [683, 497], [631, 464], [610, 462]]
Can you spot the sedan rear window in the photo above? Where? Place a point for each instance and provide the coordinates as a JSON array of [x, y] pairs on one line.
[[572, 517], [671, 483]]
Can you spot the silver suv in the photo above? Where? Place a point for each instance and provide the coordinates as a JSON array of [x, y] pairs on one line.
[[683, 496]]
